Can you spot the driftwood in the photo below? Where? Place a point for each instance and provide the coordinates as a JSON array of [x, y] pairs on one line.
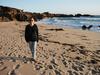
[[57, 29]]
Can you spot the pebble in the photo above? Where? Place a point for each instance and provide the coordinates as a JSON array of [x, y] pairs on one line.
[[93, 61], [38, 67], [50, 66], [78, 58]]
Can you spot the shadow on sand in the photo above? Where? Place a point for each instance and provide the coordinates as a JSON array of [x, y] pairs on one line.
[[24, 59]]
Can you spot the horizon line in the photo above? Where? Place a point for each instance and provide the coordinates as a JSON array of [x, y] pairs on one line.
[[50, 11]]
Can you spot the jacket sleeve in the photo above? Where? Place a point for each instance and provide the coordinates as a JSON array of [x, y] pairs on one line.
[[26, 34], [37, 33]]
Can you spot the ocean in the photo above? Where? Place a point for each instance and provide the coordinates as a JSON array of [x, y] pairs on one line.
[[74, 22]]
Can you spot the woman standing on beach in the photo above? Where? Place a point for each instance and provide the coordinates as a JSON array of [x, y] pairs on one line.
[[31, 36]]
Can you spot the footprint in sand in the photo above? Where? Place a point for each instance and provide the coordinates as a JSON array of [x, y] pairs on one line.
[[14, 71], [17, 66], [57, 72], [3, 68]]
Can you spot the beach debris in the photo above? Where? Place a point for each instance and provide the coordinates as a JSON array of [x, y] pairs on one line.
[[57, 29], [84, 27], [98, 26], [89, 27]]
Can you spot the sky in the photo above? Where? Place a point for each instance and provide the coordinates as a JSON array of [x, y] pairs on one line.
[[56, 6]]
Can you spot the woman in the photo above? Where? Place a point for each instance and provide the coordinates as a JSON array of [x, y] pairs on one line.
[[31, 36]]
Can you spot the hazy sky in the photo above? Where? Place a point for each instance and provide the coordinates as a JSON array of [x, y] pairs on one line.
[[56, 6]]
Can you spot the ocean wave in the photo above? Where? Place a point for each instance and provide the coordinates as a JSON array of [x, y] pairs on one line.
[[74, 22]]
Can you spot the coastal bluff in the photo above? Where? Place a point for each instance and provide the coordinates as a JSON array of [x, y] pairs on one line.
[[12, 14]]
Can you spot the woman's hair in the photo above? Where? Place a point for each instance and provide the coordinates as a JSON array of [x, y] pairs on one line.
[[33, 18]]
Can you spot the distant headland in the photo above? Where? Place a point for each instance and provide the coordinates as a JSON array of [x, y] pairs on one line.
[[11, 14]]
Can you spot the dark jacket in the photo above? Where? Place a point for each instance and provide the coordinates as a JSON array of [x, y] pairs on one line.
[[31, 33]]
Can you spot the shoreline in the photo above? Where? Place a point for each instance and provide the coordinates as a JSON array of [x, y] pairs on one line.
[[67, 27], [76, 23]]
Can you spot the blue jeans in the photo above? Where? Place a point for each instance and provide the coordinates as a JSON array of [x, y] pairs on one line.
[[32, 46]]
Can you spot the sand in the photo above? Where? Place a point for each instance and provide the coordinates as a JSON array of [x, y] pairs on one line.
[[59, 51]]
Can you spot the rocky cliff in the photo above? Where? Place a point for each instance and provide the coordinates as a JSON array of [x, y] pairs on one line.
[[10, 14]]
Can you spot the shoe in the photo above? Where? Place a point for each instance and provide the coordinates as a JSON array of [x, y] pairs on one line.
[[32, 59]]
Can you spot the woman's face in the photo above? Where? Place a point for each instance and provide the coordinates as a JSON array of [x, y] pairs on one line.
[[32, 21]]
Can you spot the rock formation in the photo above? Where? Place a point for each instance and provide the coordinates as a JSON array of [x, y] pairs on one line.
[[10, 14]]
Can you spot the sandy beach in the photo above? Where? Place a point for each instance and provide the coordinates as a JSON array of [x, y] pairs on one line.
[[60, 51]]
